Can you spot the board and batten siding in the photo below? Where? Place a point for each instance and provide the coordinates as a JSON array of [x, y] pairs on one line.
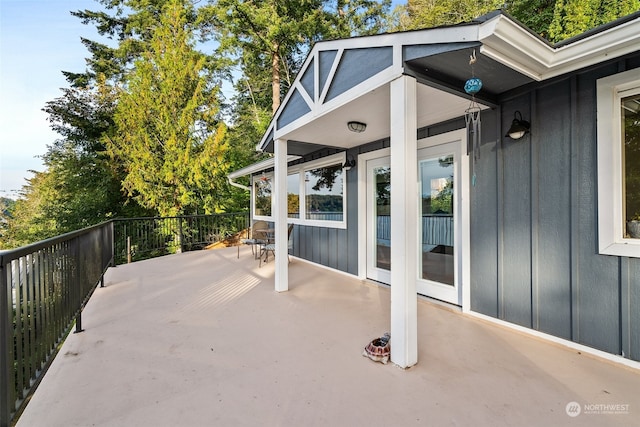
[[534, 248]]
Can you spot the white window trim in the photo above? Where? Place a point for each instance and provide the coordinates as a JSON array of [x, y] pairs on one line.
[[301, 168], [610, 91]]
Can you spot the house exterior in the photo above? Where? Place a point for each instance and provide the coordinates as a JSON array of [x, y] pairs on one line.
[[380, 166]]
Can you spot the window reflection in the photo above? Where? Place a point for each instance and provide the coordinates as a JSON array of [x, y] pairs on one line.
[[323, 193], [437, 220], [262, 187], [293, 195], [631, 173]]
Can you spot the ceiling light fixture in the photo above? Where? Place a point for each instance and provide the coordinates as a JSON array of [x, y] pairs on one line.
[[357, 127]]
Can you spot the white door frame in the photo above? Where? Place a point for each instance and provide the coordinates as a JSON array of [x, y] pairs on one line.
[[362, 207], [372, 271], [463, 210]]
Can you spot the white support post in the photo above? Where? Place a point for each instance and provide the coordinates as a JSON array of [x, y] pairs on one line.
[[280, 214], [404, 221]]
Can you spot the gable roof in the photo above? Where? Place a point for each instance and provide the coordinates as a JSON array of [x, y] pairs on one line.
[[348, 79]]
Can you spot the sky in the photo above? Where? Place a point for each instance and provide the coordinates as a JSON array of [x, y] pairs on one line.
[[38, 39]]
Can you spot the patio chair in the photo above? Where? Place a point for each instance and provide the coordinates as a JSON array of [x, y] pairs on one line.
[[271, 247], [255, 237]]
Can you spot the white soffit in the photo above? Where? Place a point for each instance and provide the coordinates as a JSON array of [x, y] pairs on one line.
[[509, 43], [258, 167]]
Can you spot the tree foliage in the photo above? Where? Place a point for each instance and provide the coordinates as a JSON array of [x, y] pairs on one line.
[[535, 14], [271, 38], [168, 136], [573, 17], [265, 33], [432, 13], [554, 20], [7, 206], [79, 185]]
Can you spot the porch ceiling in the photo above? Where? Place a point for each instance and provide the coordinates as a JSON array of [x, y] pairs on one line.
[[372, 108]]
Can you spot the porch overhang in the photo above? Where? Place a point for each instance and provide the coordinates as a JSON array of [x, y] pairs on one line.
[[348, 80]]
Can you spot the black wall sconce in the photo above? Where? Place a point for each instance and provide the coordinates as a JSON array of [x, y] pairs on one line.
[[357, 127], [349, 163], [519, 127]]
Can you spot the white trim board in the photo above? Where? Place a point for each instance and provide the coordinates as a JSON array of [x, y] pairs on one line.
[[594, 352]]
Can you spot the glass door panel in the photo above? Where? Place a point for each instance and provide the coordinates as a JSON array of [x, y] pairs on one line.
[[439, 223], [382, 198], [437, 219], [379, 219]]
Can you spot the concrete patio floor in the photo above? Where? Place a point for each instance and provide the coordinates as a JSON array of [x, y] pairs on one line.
[[202, 339]]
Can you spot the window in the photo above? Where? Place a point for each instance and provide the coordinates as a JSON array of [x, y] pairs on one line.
[[262, 192], [631, 154], [619, 164], [323, 193], [293, 195], [316, 193]]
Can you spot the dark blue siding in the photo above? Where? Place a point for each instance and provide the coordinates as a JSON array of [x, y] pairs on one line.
[[326, 59], [307, 80], [546, 273], [356, 66], [631, 310], [598, 296], [294, 109], [515, 215], [551, 210], [484, 238]]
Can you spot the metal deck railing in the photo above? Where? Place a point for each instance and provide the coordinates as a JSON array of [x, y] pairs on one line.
[[44, 287]]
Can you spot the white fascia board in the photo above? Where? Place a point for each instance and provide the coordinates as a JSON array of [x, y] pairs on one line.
[[509, 43], [615, 42], [263, 142], [512, 45], [258, 167], [453, 34]]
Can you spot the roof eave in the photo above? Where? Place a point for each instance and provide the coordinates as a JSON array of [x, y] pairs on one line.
[[503, 39], [508, 42], [258, 167]]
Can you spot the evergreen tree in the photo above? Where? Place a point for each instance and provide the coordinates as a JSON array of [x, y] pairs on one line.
[[573, 17], [554, 20], [273, 37], [432, 13], [168, 135], [535, 14]]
